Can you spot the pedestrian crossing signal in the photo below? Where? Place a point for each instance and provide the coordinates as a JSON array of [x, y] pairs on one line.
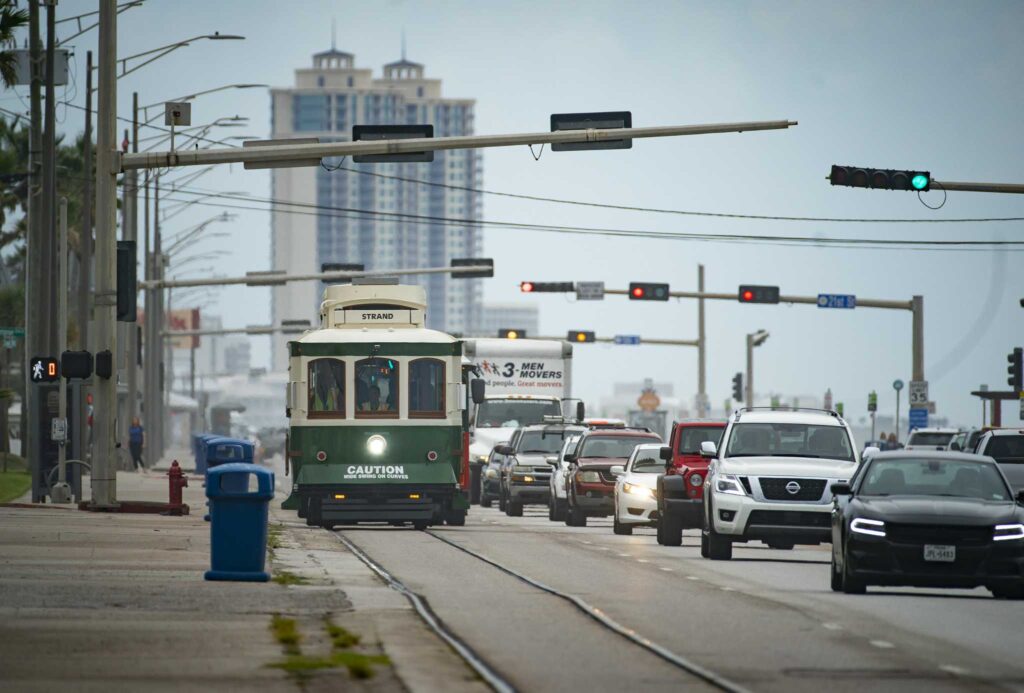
[[43, 369]]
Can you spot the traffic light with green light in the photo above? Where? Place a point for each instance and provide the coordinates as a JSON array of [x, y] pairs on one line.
[[880, 178]]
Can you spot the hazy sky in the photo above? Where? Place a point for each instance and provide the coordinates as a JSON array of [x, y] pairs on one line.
[[934, 85]]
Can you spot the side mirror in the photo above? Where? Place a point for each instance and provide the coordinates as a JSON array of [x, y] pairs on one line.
[[869, 451], [570, 458], [1020, 496], [665, 453], [955, 446], [581, 411], [841, 489], [552, 460], [503, 449], [477, 388], [708, 449], [618, 470]]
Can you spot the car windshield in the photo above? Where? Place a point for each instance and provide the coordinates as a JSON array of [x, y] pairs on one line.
[[512, 413], [1006, 449], [542, 441], [691, 437], [789, 440], [932, 477], [611, 446], [930, 438], [648, 461]]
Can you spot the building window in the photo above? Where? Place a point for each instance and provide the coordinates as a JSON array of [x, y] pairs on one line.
[[326, 393], [320, 81], [419, 91], [309, 112], [377, 388], [350, 81]]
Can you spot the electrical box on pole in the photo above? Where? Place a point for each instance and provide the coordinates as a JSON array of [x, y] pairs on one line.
[[127, 282], [591, 121], [393, 132]]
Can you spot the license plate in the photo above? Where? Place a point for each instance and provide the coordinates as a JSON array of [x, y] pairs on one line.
[[940, 553]]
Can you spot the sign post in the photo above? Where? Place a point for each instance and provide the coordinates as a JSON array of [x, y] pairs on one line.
[[897, 385]]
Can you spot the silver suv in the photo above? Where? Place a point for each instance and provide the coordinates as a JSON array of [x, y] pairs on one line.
[[771, 479]]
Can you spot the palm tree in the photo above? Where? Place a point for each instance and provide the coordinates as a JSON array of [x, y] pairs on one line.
[[11, 19]]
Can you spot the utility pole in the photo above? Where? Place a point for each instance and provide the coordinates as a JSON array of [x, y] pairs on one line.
[[702, 395], [157, 349], [83, 300], [130, 233], [61, 492], [917, 309], [35, 324], [49, 206], [104, 472]]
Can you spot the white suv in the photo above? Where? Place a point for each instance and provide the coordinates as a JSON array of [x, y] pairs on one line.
[[771, 480], [556, 498]]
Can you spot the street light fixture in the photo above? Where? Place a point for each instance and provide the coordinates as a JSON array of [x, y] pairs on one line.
[[754, 339], [154, 54], [190, 97]]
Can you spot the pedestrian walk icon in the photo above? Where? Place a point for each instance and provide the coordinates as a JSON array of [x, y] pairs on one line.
[[43, 369]]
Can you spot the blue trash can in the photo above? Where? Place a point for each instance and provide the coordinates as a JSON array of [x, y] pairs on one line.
[[202, 448], [220, 451], [240, 495]]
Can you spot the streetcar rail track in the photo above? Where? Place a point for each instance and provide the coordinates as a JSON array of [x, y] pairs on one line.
[[608, 622], [422, 607]]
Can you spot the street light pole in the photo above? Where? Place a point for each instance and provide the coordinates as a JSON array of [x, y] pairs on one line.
[[131, 233], [104, 474], [753, 340], [702, 395]]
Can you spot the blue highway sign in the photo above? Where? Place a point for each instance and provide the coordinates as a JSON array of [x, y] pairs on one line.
[[627, 339], [837, 301], [918, 418]]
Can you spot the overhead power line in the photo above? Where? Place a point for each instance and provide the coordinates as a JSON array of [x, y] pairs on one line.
[[656, 210]]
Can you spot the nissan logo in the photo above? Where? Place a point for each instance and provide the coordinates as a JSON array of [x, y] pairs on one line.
[[793, 488]]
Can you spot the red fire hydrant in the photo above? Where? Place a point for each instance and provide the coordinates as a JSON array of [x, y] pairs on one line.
[[176, 480]]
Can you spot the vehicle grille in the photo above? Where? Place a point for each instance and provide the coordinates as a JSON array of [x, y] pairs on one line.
[[607, 476], [790, 518], [938, 534], [774, 488], [745, 480]]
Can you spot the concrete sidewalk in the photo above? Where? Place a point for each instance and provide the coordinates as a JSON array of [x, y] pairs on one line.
[[117, 602]]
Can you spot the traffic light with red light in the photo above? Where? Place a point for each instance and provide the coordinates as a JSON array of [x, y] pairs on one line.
[[880, 178], [547, 287], [750, 293], [581, 336], [1016, 370], [511, 333], [647, 291]]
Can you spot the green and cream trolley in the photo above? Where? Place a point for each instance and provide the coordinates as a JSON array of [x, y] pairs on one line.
[[377, 406]]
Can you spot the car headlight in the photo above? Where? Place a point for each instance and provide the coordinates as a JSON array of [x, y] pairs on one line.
[[376, 445], [696, 480], [481, 458], [525, 478], [1004, 532], [635, 490], [729, 483], [588, 477], [862, 525], [491, 474]]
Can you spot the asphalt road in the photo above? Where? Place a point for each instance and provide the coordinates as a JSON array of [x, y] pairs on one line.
[[766, 620]]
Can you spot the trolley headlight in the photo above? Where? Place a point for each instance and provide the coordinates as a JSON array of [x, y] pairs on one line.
[[376, 445]]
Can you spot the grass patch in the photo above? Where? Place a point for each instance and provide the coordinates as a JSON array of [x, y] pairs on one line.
[[341, 638], [286, 632], [283, 577], [359, 666], [274, 537], [13, 485]]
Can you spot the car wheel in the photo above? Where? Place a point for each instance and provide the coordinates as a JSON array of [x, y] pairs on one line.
[[559, 510], [455, 518], [619, 527], [850, 583], [705, 551], [502, 503], [314, 512], [781, 545], [485, 501], [513, 508], [837, 577], [420, 525], [670, 531], [719, 548]]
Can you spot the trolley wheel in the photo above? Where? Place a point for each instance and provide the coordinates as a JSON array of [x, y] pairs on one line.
[[420, 525], [455, 518]]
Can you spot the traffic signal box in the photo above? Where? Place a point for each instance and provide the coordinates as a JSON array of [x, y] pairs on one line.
[[43, 369], [1016, 369], [872, 401], [647, 291], [750, 293], [581, 336], [547, 287], [737, 387], [76, 364], [511, 333], [880, 178]]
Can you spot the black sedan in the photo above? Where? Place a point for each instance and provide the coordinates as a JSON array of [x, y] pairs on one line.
[[928, 519]]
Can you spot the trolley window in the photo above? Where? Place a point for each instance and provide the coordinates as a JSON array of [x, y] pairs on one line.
[[326, 382], [426, 389], [377, 388]]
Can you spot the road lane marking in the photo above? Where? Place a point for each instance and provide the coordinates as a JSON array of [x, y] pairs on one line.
[[831, 626], [667, 570], [623, 555], [882, 644], [642, 560], [692, 577], [953, 669]]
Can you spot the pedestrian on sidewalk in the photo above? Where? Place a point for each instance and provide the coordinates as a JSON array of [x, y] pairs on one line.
[[136, 441]]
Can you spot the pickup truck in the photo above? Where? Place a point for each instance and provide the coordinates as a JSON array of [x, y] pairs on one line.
[[680, 492]]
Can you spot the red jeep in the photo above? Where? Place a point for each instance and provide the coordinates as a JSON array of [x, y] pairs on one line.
[[681, 490]]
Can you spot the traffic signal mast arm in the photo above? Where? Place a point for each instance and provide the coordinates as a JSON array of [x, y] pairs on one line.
[[272, 154], [861, 302], [273, 279], [1013, 188]]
